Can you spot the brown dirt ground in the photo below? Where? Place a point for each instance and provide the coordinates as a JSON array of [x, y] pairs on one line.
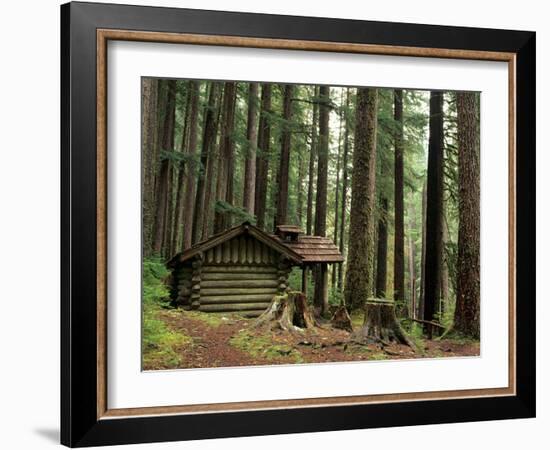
[[211, 346]]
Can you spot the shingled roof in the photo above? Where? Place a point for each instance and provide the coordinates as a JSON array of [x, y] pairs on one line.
[[314, 249]]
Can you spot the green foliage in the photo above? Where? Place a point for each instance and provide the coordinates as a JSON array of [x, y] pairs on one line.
[[159, 343], [237, 213]]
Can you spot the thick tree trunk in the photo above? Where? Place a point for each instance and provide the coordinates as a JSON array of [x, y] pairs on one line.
[[344, 192], [381, 325], [225, 155], [164, 179], [359, 283], [149, 139], [466, 320], [262, 160], [433, 211], [249, 194], [399, 235], [320, 297], [202, 206], [312, 160], [284, 161], [382, 250]]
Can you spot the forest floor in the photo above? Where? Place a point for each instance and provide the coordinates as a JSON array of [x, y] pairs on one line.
[[213, 340]]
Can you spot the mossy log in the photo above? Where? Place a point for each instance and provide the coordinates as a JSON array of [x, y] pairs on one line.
[[288, 312], [380, 324]]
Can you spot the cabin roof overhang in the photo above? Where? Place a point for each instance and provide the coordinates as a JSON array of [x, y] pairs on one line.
[[314, 249], [220, 238]]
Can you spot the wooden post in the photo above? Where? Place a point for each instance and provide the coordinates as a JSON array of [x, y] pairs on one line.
[[304, 280], [324, 287]]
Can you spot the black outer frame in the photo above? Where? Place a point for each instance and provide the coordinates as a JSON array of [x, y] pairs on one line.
[[79, 424]]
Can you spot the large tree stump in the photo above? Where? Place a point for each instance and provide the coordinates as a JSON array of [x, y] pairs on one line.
[[288, 312], [381, 325]]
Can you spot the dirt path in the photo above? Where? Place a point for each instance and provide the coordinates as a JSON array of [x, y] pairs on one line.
[[229, 341]]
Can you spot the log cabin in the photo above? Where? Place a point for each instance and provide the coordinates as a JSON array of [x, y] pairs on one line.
[[243, 268]]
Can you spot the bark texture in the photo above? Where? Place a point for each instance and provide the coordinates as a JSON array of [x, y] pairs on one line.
[[321, 279], [249, 194], [382, 250], [399, 235], [466, 320], [434, 205], [359, 283], [284, 161], [262, 159]]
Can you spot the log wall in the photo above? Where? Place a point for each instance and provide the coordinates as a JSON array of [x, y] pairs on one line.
[[240, 275]]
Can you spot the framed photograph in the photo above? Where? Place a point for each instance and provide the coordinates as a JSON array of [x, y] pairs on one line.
[[277, 224]]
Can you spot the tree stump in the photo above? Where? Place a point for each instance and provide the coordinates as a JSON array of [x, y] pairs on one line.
[[341, 319], [381, 325], [288, 312]]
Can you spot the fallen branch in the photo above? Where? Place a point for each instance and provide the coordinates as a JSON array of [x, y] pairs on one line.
[[428, 322]]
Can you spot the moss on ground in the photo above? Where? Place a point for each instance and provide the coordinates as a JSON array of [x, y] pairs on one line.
[[160, 344], [211, 319], [263, 346]]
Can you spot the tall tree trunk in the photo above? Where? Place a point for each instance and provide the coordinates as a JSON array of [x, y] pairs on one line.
[[433, 210], [210, 114], [444, 266], [399, 235], [412, 267], [164, 179], [466, 320], [300, 191], [149, 139], [312, 158], [249, 193], [225, 155], [359, 284], [344, 191], [382, 250], [337, 193], [191, 170], [262, 160], [321, 293], [182, 166], [420, 313], [284, 162]]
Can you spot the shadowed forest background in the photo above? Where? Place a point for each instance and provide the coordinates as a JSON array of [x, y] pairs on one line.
[[390, 176]]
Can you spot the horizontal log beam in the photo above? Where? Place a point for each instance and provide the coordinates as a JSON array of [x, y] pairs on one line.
[[238, 276], [233, 307], [239, 283], [238, 269], [222, 299], [238, 291]]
